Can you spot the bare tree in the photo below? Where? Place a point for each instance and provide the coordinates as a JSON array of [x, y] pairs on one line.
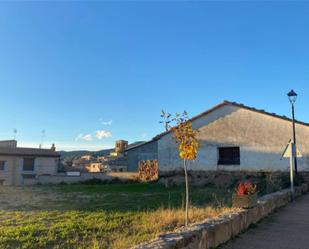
[[186, 139]]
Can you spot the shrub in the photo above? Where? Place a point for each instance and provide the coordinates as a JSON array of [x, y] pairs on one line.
[[94, 181], [246, 188], [148, 170]]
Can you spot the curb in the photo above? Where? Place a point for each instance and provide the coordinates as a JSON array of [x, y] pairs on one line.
[[213, 232]]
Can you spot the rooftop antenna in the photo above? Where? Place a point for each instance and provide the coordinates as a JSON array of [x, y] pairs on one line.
[[15, 133], [42, 138]]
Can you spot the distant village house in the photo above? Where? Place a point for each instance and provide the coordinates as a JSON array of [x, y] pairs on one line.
[[19, 166], [116, 161], [94, 167]]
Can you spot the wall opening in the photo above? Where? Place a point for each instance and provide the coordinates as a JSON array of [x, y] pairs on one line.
[[229, 156]]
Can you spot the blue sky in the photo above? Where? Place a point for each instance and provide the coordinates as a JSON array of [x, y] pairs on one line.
[[75, 68]]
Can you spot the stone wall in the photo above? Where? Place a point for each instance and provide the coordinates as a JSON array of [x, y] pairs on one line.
[[106, 177], [214, 232], [227, 179]]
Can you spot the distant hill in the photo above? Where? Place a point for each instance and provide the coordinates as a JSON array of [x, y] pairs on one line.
[[78, 153]]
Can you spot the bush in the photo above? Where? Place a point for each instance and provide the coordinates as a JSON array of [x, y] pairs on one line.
[[299, 180], [148, 170], [94, 181]]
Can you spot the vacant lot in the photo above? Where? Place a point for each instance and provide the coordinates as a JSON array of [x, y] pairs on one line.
[[98, 216]]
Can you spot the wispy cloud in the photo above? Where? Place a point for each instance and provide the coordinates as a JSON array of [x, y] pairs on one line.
[[110, 122], [145, 135], [87, 137], [103, 134], [104, 122]]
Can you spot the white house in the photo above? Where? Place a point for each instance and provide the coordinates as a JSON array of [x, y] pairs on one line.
[[19, 166], [232, 136]]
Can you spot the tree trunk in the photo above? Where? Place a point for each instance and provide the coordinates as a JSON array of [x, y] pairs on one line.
[[187, 191]]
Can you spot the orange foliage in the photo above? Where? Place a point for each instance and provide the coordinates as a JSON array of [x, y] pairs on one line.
[[148, 170], [184, 135]]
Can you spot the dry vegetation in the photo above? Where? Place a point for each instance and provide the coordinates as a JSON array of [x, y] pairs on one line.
[[98, 216]]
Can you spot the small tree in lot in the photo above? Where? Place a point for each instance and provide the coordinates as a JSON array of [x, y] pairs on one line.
[[186, 139]]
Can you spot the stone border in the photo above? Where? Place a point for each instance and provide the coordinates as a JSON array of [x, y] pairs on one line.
[[214, 232]]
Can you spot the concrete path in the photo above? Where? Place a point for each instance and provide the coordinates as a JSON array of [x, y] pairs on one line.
[[286, 229]]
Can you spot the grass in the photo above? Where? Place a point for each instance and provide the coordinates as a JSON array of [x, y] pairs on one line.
[[99, 216]]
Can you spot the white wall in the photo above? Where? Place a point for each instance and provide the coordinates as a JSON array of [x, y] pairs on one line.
[[261, 138]]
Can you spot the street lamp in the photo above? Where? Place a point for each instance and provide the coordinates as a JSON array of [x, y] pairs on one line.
[[292, 98]]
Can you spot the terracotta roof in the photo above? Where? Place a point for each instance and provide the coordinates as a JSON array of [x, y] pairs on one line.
[[20, 151], [225, 103]]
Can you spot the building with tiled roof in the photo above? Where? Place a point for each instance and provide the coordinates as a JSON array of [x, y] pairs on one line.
[[232, 136], [19, 166]]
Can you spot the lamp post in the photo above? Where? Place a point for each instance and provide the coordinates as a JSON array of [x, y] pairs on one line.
[[292, 98]]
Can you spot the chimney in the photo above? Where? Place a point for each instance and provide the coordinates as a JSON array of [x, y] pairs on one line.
[[53, 148]]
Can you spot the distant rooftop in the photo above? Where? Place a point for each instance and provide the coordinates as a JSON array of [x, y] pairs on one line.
[[230, 103], [224, 103], [9, 148]]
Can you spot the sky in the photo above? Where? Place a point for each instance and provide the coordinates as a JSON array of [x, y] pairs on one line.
[[89, 73]]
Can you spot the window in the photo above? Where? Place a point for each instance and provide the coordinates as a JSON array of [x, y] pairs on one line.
[[2, 165], [229, 156], [2, 182], [28, 164]]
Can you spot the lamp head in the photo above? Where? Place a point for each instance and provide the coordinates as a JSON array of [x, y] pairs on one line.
[[292, 96]]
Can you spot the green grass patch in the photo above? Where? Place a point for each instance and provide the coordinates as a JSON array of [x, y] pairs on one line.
[[99, 216]]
